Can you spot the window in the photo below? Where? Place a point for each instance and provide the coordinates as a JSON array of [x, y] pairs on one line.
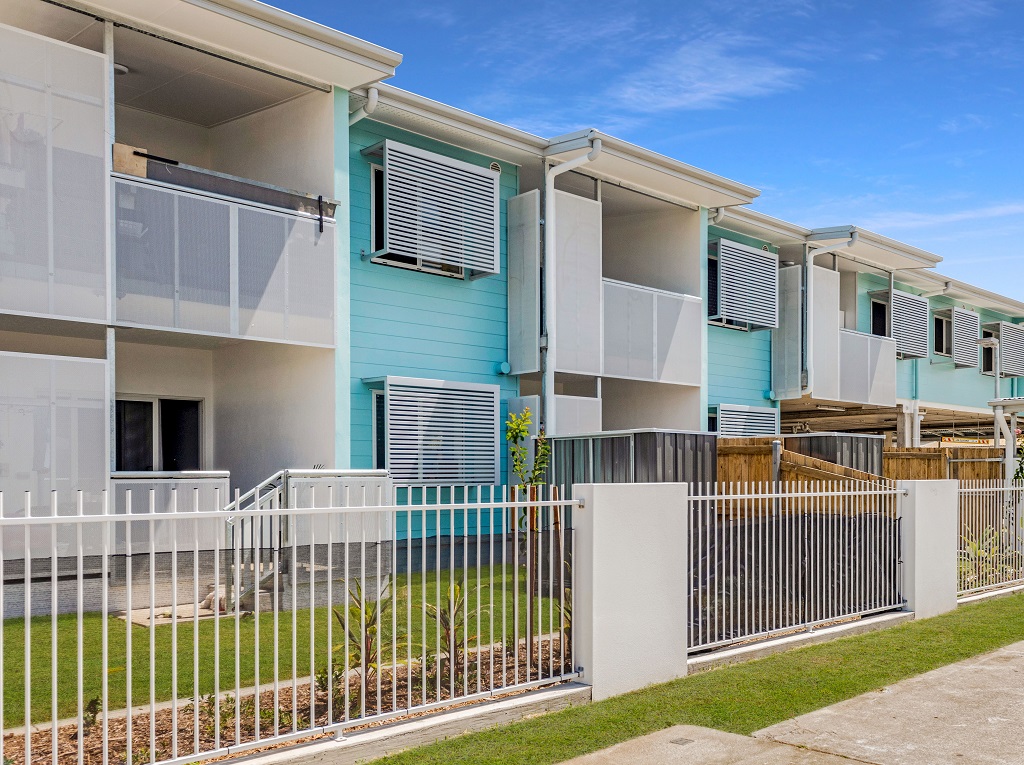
[[713, 316], [942, 335], [743, 286], [151, 432], [879, 318], [380, 433], [739, 420], [440, 432], [432, 213], [988, 355]]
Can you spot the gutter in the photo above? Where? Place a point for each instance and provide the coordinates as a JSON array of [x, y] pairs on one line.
[[548, 343]]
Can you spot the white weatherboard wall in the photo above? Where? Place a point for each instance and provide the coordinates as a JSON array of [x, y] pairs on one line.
[[630, 620], [930, 542]]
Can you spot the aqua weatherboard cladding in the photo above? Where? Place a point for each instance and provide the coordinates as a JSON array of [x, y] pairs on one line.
[[413, 324], [934, 379], [739, 362]]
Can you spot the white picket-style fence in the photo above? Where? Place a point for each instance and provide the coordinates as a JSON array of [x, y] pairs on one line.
[[768, 559], [135, 637], [991, 537]]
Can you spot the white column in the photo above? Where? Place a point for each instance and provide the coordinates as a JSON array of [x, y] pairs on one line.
[[631, 579], [930, 541]]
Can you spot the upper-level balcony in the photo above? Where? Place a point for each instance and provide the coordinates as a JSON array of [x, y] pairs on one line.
[[203, 252], [651, 334], [208, 240]]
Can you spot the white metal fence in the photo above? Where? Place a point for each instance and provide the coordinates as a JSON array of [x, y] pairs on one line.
[[991, 553], [279, 624], [768, 559]]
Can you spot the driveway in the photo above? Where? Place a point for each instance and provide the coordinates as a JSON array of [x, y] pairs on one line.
[[970, 713]]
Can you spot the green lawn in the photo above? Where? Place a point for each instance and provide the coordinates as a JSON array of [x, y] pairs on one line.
[[742, 698], [410, 591]]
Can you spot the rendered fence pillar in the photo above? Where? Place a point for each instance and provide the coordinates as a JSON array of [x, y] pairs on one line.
[[930, 540], [630, 575]]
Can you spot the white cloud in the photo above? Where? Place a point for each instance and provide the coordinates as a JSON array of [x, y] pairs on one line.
[[949, 13], [915, 220], [965, 122], [708, 72]]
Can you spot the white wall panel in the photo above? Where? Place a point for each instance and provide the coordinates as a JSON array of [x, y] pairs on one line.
[[524, 283], [577, 415], [868, 366], [53, 438], [578, 284], [787, 338], [824, 323], [53, 146], [628, 331], [678, 324]]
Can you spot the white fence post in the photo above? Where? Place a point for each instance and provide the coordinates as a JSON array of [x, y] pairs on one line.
[[631, 578], [930, 546]]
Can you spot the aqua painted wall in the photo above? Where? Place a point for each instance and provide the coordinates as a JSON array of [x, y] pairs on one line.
[[934, 379], [416, 324], [739, 362]]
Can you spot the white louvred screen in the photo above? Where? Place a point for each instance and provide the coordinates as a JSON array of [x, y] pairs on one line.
[[1011, 349], [966, 331], [441, 432], [738, 420], [748, 285], [910, 324], [440, 209]]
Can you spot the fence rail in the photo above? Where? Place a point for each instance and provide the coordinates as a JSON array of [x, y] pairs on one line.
[[161, 635], [991, 554], [766, 561]]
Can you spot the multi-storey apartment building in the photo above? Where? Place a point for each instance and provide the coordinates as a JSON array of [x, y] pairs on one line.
[[225, 245]]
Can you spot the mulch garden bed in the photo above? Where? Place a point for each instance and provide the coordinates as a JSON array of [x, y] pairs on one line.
[[293, 713]]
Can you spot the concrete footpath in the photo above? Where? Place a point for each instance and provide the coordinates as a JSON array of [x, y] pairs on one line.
[[966, 713]]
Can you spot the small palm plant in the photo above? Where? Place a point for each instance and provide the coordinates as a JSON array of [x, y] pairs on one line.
[[363, 629], [451, 618]]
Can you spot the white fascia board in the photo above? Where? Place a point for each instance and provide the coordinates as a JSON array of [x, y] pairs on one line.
[[399, 107], [255, 33], [882, 251], [743, 220], [962, 292], [644, 169]]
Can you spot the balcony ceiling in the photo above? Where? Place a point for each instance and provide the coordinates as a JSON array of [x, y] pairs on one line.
[[255, 31], [185, 84]]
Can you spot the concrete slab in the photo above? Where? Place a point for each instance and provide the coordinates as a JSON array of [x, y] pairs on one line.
[[690, 745], [969, 712]]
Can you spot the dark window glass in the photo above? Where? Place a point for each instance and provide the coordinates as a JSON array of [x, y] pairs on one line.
[[380, 449], [879, 319], [378, 209], [179, 434], [712, 286], [134, 448]]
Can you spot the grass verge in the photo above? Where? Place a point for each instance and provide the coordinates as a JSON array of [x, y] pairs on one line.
[[742, 698]]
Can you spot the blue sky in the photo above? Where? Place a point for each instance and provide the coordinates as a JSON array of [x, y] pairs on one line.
[[904, 117]]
